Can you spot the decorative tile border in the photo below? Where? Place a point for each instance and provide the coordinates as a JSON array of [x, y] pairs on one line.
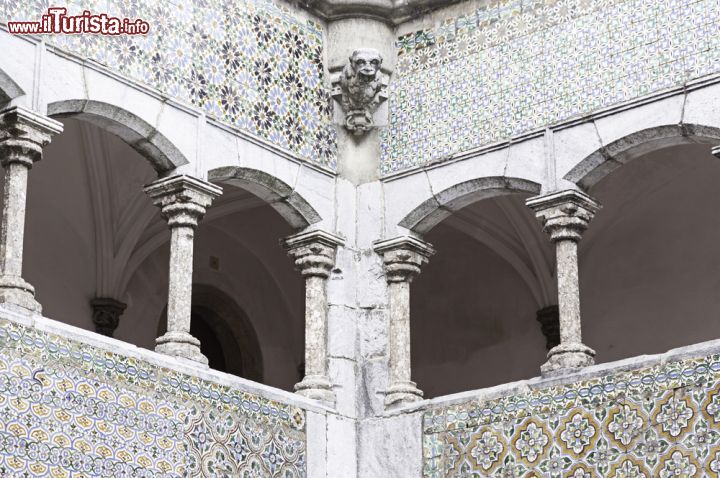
[[646, 423], [518, 65], [71, 409], [249, 63]]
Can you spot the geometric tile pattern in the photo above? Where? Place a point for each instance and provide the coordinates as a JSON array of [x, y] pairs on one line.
[[248, 63], [662, 421], [513, 66], [68, 409]]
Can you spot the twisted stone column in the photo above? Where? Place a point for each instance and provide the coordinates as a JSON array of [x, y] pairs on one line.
[[23, 135], [183, 201], [403, 257], [565, 216], [314, 256]]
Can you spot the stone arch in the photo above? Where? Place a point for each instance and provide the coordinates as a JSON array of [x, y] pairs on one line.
[[232, 328], [590, 170], [144, 138], [278, 194], [441, 205], [9, 90]]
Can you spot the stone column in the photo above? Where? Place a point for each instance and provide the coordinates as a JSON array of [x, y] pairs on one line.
[[183, 201], [403, 257], [106, 314], [23, 135], [314, 256], [565, 216]]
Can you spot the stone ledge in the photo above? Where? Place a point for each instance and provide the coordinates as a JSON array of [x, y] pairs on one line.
[[159, 360], [699, 350]]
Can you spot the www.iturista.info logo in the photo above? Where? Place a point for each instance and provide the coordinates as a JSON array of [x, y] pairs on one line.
[[57, 21]]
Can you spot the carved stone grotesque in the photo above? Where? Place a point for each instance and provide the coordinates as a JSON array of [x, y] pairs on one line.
[[361, 89]]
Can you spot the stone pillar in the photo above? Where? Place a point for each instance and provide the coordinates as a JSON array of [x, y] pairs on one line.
[[403, 257], [565, 216], [23, 135], [314, 256], [183, 201], [106, 314]]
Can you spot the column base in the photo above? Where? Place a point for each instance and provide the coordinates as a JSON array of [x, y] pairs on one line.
[[317, 387], [181, 344], [400, 393], [16, 291], [565, 357]]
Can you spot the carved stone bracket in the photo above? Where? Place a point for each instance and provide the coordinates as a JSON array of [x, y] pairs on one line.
[[549, 318], [360, 88], [106, 314]]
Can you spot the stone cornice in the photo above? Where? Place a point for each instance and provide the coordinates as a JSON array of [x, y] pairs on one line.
[[392, 12]]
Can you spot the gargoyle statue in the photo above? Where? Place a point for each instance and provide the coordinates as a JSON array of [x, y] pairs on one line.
[[362, 89]]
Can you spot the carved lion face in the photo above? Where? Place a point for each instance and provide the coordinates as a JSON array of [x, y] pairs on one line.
[[366, 63]]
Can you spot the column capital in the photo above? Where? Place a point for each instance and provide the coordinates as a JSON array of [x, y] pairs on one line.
[[23, 134], [182, 199], [403, 257], [565, 214], [313, 251]]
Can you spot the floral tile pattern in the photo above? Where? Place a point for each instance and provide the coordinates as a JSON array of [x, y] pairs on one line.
[[662, 421], [249, 63], [71, 410], [517, 65]]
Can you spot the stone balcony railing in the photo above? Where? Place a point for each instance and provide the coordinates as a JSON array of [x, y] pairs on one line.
[[73, 403], [650, 416]]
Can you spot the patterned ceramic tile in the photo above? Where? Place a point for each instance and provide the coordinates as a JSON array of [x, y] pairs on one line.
[[249, 63], [71, 410], [517, 65], [662, 422]]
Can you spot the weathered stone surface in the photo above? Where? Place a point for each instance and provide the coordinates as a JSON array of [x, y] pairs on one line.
[[565, 216], [403, 258], [183, 201], [23, 135], [314, 255]]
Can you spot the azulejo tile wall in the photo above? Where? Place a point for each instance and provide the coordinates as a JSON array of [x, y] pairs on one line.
[[249, 63], [517, 65], [658, 422], [68, 409]]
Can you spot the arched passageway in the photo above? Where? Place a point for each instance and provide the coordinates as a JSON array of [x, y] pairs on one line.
[[92, 232]]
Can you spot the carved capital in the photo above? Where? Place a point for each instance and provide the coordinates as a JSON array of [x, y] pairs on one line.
[[106, 314], [182, 199], [313, 252], [403, 257], [24, 134], [565, 215]]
